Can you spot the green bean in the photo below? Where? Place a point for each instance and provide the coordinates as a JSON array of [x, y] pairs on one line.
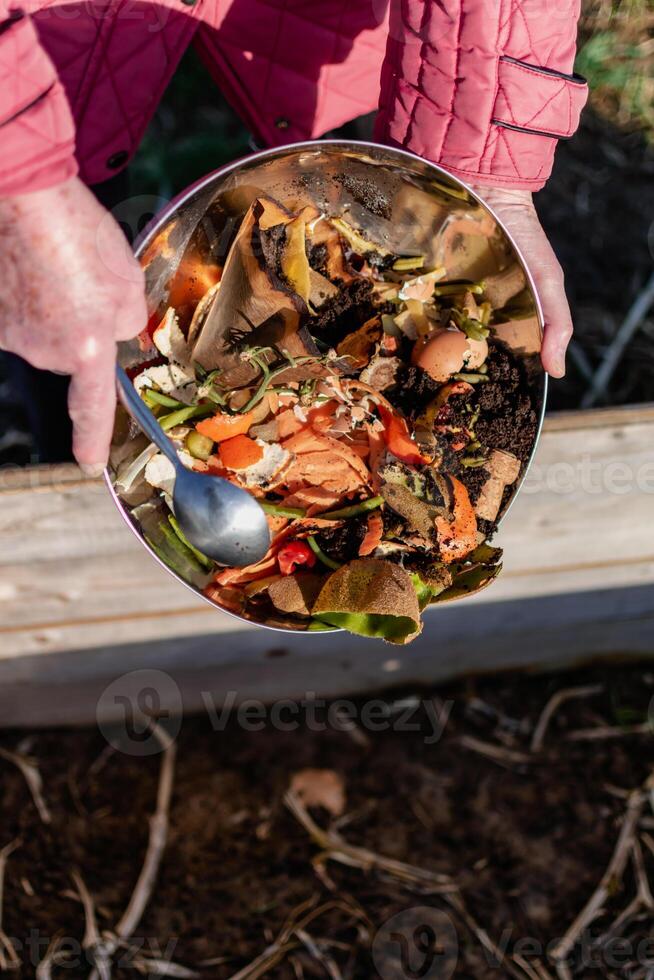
[[319, 553], [183, 415], [151, 395], [471, 377], [202, 559], [409, 262], [452, 288], [361, 508], [278, 510]]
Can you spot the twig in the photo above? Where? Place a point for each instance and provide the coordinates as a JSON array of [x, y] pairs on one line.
[[515, 969], [642, 901], [157, 840], [328, 964], [509, 758], [608, 731], [44, 969], [337, 849], [300, 917], [611, 877], [11, 961], [553, 705], [156, 966], [648, 841], [563, 971], [33, 780], [91, 934], [92, 941], [163, 968], [644, 891], [343, 723], [526, 967], [156, 845], [616, 926], [616, 348]]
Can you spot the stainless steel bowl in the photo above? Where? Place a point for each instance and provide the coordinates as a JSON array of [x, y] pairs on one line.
[[416, 206]]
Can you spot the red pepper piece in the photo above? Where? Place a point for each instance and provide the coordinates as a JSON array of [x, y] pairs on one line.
[[294, 554]]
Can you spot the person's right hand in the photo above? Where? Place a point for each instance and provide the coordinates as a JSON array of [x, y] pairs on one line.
[[69, 290]]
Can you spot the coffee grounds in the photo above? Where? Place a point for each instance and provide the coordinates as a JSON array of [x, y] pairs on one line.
[[473, 478], [339, 316], [508, 420], [413, 391], [366, 193], [272, 242], [343, 543], [318, 258]]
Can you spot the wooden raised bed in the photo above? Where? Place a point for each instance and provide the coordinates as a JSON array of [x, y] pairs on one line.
[[81, 602]]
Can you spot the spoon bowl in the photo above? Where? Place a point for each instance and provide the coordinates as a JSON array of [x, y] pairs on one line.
[[220, 520]]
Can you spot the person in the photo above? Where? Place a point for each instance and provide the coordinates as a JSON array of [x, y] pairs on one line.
[[484, 88]]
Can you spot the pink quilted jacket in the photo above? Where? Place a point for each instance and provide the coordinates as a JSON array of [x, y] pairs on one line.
[[483, 87]]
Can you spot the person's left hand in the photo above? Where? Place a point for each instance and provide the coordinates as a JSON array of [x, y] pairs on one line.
[[516, 209]]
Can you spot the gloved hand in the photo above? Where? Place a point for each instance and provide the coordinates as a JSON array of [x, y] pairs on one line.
[[70, 288], [516, 209]]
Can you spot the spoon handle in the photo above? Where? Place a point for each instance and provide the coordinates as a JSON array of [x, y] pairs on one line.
[[142, 414]]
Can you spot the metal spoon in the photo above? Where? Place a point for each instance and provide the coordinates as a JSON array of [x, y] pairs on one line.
[[222, 521]]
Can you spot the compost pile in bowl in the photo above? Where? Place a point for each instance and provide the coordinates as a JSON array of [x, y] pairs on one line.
[[365, 399]]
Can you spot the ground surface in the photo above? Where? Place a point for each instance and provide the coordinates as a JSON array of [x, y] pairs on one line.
[[504, 844]]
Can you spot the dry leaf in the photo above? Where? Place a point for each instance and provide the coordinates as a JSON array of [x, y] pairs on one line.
[[320, 787]]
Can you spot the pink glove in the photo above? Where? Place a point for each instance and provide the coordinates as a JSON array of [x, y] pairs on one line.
[[516, 209], [70, 289]]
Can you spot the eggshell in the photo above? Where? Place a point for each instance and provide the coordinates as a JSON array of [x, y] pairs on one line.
[[448, 352], [443, 355], [478, 352]]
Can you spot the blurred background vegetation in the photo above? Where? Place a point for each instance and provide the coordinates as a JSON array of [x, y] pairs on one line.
[[616, 55]]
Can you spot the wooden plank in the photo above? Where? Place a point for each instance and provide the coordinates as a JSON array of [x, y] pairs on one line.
[[206, 671], [73, 577]]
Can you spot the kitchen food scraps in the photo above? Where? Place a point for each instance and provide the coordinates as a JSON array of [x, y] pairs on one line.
[[366, 400]]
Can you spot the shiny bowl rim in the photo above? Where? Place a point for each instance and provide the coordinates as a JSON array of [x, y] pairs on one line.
[[152, 229]]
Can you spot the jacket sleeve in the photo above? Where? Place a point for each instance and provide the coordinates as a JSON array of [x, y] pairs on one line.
[[483, 88], [37, 133]]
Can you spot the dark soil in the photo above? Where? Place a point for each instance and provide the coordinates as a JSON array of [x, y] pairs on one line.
[[526, 837], [474, 479], [342, 543], [414, 390], [507, 420], [352, 305], [272, 243]]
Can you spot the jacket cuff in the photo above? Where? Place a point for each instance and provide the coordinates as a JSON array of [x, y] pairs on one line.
[[453, 92], [37, 132]]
